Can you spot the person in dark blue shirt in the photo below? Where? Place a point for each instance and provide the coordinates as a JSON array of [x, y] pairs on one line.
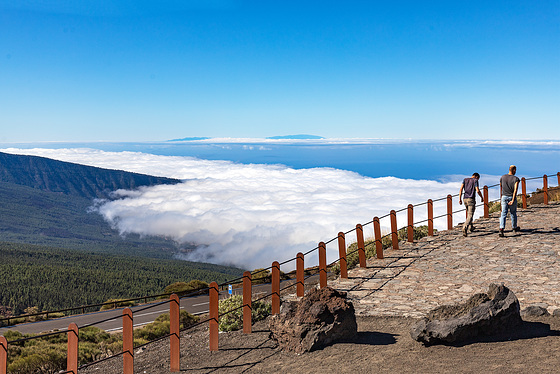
[[470, 187]]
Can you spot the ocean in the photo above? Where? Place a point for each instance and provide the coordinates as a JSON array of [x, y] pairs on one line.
[[248, 202]]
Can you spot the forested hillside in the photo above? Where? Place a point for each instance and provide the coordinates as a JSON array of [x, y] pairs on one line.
[[52, 278], [72, 179], [29, 215]]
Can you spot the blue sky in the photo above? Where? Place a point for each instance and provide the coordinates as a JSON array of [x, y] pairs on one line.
[[98, 70]]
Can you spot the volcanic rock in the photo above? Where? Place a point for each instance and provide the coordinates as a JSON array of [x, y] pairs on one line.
[[483, 314], [320, 318]]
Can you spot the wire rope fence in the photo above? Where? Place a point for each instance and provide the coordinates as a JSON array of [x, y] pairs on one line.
[[246, 281]]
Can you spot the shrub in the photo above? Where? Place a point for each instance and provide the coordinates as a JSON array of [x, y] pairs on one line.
[[259, 276], [116, 303], [183, 288], [234, 320], [160, 326]]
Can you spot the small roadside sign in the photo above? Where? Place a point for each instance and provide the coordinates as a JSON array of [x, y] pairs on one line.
[[230, 289]]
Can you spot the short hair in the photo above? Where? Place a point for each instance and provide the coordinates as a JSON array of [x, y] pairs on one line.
[[512, 167], [476, 175]]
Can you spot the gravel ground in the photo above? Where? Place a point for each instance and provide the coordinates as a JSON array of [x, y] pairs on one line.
[[383, 345]]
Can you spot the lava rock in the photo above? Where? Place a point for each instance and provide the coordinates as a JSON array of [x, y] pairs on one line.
[[483, 314], [320, 318], [534, 311]]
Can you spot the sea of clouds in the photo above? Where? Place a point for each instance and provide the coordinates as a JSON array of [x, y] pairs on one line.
[[249, 215]]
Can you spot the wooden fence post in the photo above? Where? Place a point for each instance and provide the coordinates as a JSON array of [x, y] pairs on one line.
[[275, 287], [486, 206], [72, 355], [247, 302], [300, 278], [394, 233], [174, 331], [430, 217], [558, 175], [545, 189], [449, 212], [322, 265], [361, 247], [3, 355], [342, 256], [128, 342], [410, 228], [214, 315], [378, 242], [524, 192]]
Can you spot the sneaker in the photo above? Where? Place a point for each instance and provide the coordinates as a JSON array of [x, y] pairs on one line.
[[501, 233], [517, 229], [471, 229], [465, 234]]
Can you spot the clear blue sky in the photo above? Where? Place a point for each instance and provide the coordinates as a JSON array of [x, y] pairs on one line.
[[130, 70]]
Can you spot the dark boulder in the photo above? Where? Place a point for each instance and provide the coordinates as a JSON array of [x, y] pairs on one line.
[[320, 318], [534, 311], [483, 314]]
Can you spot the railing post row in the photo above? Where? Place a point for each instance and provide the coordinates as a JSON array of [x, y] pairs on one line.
[[275, 294], [322, 265], [361, 246], [486, 202], [449, 212], [174, 331], [3, 355], [72, 354], [394, 234], [247, 302], [128, 342], [300, 278], [430, 217], [524, 192], [213, 313], [342, 256], [545, 189], [378, 242], [410, 227]]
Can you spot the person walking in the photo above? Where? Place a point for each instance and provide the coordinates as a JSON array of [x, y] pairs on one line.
[[509, 184], [470, 186]]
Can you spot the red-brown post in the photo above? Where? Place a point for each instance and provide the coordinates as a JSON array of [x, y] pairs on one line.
[[430, 217], [322, 265], [275, 287], [545, 189], [486, 206], [300, 279], [524, 192], [247, 302], [72, 356], [174, 331], [377, 233], [342, 255], [214, 315], [128, 342], [394, 233], [361, 247], [449, 212], [558, 175], [410, 228], [3, 355]]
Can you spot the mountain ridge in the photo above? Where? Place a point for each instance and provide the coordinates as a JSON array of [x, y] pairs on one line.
[[71, 179]]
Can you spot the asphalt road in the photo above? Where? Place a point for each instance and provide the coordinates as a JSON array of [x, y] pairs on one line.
[[142, 315]]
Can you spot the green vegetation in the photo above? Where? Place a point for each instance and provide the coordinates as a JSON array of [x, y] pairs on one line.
[[116, 303], [352, 257], [48, 355], [234, 320], [51, 278], [183, 288]]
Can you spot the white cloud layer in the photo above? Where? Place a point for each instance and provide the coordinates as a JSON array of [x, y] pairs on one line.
[[251, 215]]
